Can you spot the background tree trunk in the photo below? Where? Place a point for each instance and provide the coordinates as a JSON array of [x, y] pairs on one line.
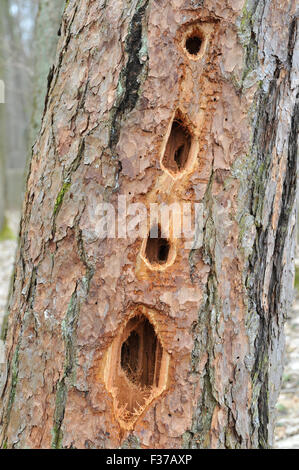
[[2, 121], [47, 23], [2, 187], [211, 317], [18, 87], [16, 45], [2, 178]]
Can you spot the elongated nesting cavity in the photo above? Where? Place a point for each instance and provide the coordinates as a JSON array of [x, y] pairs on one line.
[[177, 150]]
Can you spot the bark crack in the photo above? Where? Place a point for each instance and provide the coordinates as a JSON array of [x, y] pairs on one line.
[[132, 75]]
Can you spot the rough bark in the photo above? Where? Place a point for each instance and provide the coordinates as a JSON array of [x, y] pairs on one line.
[[122, 75]]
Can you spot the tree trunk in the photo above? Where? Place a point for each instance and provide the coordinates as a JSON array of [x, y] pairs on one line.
[[2, 186], [2, 174], [2, 120], [47, 23], [15, 70], [18, 88], [133, 341]]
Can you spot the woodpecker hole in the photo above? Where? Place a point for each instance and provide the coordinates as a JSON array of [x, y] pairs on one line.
[[157, 249], [193, 44], [141, 354], [135, 367], [177, 148]]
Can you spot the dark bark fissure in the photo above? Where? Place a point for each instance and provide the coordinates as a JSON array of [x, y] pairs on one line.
[[292, 40], [131, 76], [49, 81], [54, 71]]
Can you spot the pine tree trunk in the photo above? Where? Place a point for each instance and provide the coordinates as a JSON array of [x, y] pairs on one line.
[[128, 342]]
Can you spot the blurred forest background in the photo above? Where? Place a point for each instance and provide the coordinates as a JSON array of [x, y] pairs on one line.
[[28, 40], [29, 32]]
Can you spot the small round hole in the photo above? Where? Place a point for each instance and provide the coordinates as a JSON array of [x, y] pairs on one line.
[[193, 44]]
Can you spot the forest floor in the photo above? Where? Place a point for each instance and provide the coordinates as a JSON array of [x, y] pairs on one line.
[[287, 423]]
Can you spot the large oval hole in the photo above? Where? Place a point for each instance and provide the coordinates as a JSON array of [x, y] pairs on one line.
[[136, 367], [177, 150], [129, 358], [141, 353]]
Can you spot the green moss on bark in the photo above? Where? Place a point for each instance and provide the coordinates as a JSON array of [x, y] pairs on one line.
[[61, 194]]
